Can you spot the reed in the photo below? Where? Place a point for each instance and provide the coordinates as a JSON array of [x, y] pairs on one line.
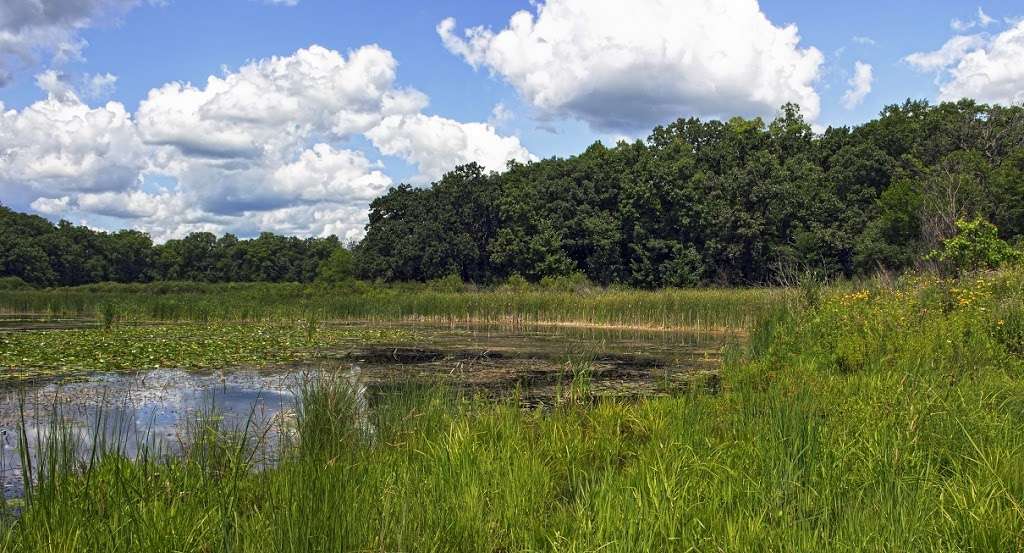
[[691, 309]]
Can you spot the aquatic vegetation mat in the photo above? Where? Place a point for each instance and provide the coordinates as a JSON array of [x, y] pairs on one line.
[[36, 354]]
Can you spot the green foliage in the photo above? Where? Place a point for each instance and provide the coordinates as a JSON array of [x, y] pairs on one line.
[[449, 298], [1008, 195], [13, 283], [1008, 327], [976, 246], [338, 268], [712, 202], [450, 284], [421, 235], [107, 315], [43, 254], [516, 283], [573, 282]]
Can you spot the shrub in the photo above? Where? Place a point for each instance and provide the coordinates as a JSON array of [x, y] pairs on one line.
[[13, 283], [451, 284], [516, 283], [573, 282], [976, 246]]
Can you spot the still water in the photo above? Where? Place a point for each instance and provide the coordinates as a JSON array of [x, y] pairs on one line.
[[151, 410]]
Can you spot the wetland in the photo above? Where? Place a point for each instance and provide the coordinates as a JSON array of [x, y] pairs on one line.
[[883, 415]]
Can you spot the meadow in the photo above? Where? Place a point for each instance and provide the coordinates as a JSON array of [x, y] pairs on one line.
[[882, 416]]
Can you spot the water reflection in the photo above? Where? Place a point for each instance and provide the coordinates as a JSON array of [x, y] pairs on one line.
[[147, 411]]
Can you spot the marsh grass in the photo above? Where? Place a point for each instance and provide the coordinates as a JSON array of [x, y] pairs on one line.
[[886, 417], [107, 315], [696, 309]]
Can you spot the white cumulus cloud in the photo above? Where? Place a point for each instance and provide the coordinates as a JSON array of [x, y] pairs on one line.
[[51, 206], [437, 144], [624, 66], [263, 147], [269, 106], [60, 145], [324, 173], [860, 85], [952, 51], [985, 68]]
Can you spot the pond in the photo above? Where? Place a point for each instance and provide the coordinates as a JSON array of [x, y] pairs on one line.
[[536, 365]]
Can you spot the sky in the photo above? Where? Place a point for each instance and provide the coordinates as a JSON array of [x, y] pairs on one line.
[[290, 116]]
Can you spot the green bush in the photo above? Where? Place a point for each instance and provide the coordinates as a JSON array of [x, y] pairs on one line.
[[573, 282], [13, 283], [976, 246], [449, 284], [516, 283]]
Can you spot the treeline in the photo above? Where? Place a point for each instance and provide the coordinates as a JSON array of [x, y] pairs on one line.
[[44, 254], [698, 202]]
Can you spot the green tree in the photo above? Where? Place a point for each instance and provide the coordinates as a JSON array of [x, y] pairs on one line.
[[338, 268]]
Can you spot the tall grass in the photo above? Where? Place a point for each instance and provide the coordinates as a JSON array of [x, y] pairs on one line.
[[707, 309], [885, 418]]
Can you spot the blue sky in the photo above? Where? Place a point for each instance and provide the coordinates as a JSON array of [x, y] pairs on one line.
[[146, 45]]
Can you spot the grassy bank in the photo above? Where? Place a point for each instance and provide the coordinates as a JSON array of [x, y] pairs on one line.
[[698, 309], [884, 418]]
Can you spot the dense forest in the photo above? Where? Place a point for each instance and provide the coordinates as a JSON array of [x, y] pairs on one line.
[[724, 202], [699, 202], [40, 253]]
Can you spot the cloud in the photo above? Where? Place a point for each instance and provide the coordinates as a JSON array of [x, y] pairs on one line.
[[983, 20], [865, 40], [263, 147], [33, 28], [133, 204], [860, 85], [985, 68], [60, 145], [268, 106], [500, 114], [436, 144], [960, 25], [324, 173], [953, 50], [100, 85], [624, 66], [56, 84], [51, 206], [248, 134]]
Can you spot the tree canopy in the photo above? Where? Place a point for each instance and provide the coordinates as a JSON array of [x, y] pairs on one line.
[[733, 202], [40, 253], [715, 202]]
